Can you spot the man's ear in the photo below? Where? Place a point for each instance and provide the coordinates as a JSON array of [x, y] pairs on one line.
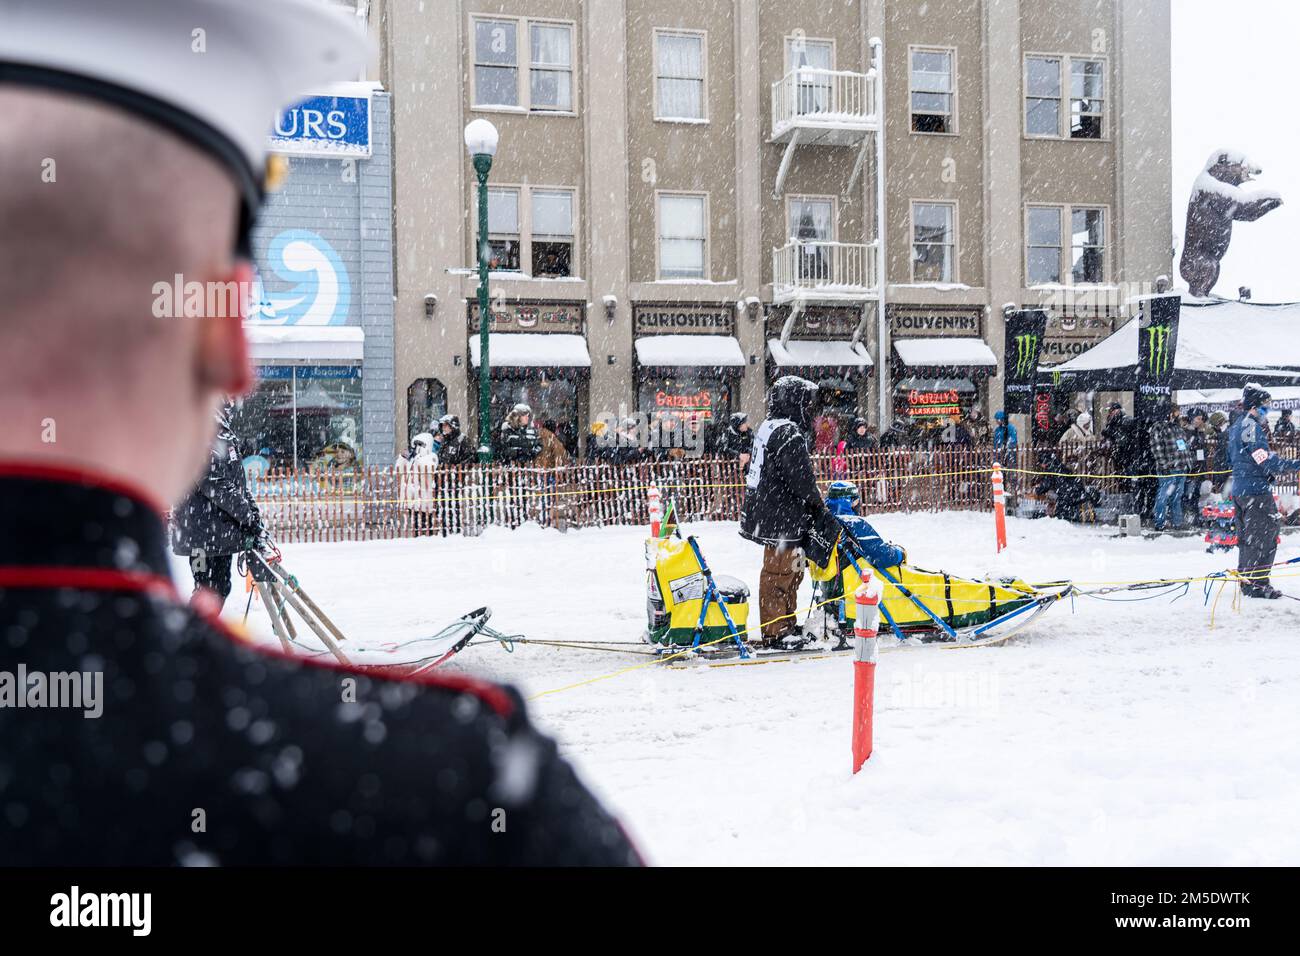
[[222, 356]]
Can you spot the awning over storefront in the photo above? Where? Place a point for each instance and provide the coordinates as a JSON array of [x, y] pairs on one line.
[[533, 350], [803, 353], [943, 352], [1220, 345], [689, 351], [304, 343]]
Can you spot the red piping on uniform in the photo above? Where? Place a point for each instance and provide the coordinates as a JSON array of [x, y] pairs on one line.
[[86, 579], [107, 579], [71, 475]]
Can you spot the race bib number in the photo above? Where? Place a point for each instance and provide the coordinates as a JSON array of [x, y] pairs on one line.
[[1182, 445], [1200, 455], [1260, 456]]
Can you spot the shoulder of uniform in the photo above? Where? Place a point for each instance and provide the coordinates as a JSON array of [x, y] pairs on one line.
[[504, 701]]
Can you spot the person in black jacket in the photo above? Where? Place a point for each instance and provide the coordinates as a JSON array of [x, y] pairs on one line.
[[782, 503], [455, 448], [518, 442], [737, 439], [199, 746], [219, 519], [860, 437]]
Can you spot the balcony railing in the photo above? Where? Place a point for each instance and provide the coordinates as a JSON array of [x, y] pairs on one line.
[[815, 269], [836, 107]]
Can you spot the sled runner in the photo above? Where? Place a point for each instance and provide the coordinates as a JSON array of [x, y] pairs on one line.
[[281, 593]]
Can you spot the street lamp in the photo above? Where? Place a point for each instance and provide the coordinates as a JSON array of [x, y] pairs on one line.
[[481, 141]]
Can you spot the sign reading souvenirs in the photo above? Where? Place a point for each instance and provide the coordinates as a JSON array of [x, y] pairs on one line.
[[1157, 345], [530, 317], [1024, 342], [832, 323], [669, 319], [930, 320]]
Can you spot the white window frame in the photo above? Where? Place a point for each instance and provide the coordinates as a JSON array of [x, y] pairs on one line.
[[785, 49], [792, 198], [523, 65], [703, 37], [1066, 239], [708, 238], [951, 51], [1066, 97], [525, 192], [955, 276]]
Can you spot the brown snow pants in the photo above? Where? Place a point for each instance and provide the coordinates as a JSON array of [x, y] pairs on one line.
[[778, 589]]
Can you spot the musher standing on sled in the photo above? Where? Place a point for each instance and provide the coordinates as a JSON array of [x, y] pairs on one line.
[[782, 503], [1253, 467], [220, 518], [161, 168]]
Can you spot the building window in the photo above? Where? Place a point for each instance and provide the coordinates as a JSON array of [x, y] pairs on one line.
[[496, 63], [813, 91], [933, 88], [497, 77], [1088, 245], [503, 229], [1087, 98], [934, 242], [1047, 245], [532, 226], [1043, 234], [812, 224], [679, 76], [552, 232], [303, 416], [426, 402], [550, 72], [1049, 80], [683, 236]]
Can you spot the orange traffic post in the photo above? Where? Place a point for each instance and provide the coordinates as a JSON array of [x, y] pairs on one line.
[[655, 507], [866, 646], [999, 507]]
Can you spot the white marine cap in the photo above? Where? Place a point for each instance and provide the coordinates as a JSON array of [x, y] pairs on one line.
[[215, 72]]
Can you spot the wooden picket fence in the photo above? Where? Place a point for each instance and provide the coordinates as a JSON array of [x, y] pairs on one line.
[[383, 503]]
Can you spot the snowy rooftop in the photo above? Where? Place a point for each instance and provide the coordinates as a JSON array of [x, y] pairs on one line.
[[669, 351], [533, 350], [945, 352], [1236, 337], [816, 353]]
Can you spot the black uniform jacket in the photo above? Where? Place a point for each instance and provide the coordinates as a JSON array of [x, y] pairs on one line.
[[208, 750]]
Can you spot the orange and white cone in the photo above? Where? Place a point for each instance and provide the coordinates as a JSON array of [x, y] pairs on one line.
[[655, 506], [865, 649], [999, 508]]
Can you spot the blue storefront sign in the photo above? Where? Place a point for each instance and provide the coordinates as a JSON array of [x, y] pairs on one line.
[[336, 126]]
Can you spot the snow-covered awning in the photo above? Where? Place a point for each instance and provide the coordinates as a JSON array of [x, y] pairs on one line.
[[819, 354], [314, 343], [945, 353], [1220, 345], [533, 350], [677, 351]]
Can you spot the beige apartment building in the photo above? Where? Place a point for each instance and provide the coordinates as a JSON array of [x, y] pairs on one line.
[[686, 201]]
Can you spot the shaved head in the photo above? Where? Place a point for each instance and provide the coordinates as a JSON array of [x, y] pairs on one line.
[[96, 208]]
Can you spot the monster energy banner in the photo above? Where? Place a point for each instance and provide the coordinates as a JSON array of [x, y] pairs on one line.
[[1025, 330], [1157, 345]]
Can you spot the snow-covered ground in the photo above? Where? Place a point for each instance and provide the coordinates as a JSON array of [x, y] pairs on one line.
[[1110, 733]]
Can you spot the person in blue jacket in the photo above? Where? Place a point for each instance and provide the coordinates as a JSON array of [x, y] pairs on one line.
[[841, 501], [1004, 435], [1254, 465]]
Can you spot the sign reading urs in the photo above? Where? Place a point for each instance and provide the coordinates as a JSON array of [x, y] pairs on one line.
[[333, 126]]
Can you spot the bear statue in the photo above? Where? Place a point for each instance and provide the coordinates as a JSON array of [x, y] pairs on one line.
[[1217, 200]]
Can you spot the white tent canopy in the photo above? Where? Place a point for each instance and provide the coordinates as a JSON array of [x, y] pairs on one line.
[[1220, 344]]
